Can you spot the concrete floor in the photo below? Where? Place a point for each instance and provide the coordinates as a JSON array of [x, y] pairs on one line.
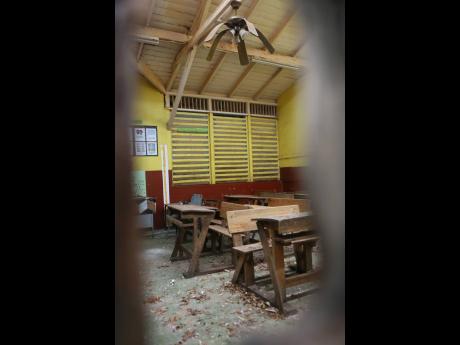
[[205, 309]]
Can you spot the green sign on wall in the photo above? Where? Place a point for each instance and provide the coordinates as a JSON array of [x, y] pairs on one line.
[[138, 183]]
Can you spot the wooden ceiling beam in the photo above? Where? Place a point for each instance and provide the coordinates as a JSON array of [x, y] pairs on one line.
[[198, 32], [261, 55], [271, 39], [162, 35], [151, 76], [241, 79], [275, 75], [147, 22], [212, 73], [268, 82], [180, 90]]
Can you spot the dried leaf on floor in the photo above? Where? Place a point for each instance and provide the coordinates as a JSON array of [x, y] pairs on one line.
[[152, 299]]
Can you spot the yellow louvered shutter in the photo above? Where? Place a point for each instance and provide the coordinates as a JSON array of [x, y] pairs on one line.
[[230, 148], [264, 148], [190, 149]]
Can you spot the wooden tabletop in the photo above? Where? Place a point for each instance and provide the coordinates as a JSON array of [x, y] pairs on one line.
[[280, 219], [187, 208], [291, 223], [242, 196]]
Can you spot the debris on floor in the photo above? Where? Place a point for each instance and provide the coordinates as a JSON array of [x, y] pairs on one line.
[[206, 310]]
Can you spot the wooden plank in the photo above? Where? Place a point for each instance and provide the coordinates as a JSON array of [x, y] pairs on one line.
[[249, 248], [242, 221], [240, 79], [304, 204], [302, 278], [180, 91], [220, 229], [276, 195], [267, 83], [261, 55], [212, 73], [230, 206], [163, 35], [147, 22], [145, 70]]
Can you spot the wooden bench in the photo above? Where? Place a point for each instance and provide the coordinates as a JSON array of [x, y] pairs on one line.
[[241, 223], [295, 229], [304, 204]]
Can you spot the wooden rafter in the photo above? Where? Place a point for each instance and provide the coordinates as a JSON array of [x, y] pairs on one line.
[[147, 72], [147, 22], [183, 81], [199, 19], [240, 79], [196, 37], [268, 82], [212, 73], [271, 39], [260, 54], [275, 75], [162, 35], [216, 67]]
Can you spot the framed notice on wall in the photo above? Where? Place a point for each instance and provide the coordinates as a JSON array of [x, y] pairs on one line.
[[143, 140]]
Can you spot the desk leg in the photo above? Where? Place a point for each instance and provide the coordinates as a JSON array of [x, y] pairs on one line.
[[178, 245], [271, 265], [200, 231], [278, 260]]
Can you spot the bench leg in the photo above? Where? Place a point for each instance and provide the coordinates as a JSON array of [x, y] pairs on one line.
[[300, 258], [213, 241], [309, 256], [248, 268], [237, 241], [238, 268]]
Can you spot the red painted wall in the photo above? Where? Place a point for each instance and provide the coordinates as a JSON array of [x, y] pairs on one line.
[[209, 191], [293, 179]]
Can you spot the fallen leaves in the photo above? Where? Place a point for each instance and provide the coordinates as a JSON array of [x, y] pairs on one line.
[[152, 299], [193, 311]]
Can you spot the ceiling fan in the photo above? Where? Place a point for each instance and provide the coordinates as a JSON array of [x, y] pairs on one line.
[[238, 27]]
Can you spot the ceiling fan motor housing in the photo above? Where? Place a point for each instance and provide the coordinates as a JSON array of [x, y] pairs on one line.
[[235, 4]]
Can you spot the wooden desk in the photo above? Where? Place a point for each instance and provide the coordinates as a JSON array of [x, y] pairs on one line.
[[296, 230], [201, 217], [246, 199]]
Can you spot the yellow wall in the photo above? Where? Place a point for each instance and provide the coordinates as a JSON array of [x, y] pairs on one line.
[[292, 127], [149, 108]]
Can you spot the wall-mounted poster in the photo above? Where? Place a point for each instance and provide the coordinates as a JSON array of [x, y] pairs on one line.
[[151, 134], [140, 148], [139, 134], [144, 140], [152, 149]]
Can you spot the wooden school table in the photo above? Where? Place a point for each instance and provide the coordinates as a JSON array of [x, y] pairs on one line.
[[200, 217], [283, 231]]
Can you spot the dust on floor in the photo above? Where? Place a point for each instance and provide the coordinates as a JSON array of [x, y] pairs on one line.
[[202, 310]]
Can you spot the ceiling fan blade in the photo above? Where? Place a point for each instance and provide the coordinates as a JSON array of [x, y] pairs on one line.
[[214, 44], [265, 42], [213, 32], [242, 53], [251, 27]]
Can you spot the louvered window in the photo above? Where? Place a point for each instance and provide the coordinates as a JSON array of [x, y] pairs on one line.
[[224, 144], [230, 148], [264, 148], [190, 149]]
